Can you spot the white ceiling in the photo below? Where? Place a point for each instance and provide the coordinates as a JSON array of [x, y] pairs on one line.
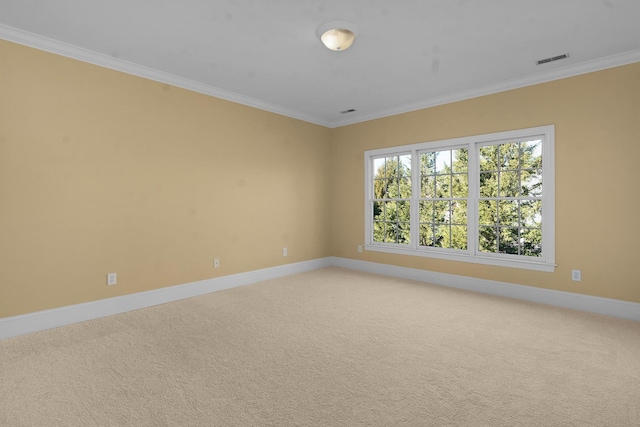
[[409, 54]]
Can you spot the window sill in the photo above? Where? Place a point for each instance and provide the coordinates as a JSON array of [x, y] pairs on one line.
[[451, 256]]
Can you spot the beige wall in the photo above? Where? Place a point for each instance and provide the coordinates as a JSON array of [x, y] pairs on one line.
[[106, 172], [597, 119]]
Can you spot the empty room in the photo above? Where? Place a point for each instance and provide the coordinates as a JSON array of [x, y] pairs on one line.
[[319, 213]]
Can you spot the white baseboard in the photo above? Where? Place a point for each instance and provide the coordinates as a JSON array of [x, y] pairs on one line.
[[48, 319], [610, 307], [53, 318]]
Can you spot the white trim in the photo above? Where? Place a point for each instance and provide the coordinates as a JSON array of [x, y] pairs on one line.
[[599, 305], [600, 64], [53, 318], [71, 51], [462, 256], [472, 254]]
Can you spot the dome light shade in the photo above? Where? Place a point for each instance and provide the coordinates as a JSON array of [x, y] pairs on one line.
[[337, 35], [338, 38]]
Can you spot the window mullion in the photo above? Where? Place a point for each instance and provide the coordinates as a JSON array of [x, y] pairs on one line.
[[472, 200], [415, 195], [368, 199]]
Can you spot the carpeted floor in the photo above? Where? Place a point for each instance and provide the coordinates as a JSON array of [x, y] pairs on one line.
[[331, 347]]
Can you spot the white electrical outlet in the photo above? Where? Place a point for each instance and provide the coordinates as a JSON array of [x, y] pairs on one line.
[[111, 279], [284, 252], [216, 263], [359, 248], [576, 275]]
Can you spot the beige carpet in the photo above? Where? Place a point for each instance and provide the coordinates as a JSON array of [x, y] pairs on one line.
[[331, 347]]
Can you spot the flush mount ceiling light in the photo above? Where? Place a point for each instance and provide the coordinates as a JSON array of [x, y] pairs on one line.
[[337, 35]]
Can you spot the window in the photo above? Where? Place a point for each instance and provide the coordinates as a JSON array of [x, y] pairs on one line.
[[392, 203], [487, 199]]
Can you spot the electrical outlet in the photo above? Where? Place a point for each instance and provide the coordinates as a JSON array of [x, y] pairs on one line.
[[359, 248], [284, 252], [111, 279], [216, 263], [576, 275]]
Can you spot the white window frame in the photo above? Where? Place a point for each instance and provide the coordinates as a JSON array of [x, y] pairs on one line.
[[546, 262]]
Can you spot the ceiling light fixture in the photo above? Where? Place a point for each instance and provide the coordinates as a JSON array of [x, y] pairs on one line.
[[337, 35]]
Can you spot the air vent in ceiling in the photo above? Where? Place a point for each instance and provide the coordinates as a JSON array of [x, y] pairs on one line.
[[553, 58], [350, 110]]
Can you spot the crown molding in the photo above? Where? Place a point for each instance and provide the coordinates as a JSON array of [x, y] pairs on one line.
[[71, 51], [102, 60], [612, 61]]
